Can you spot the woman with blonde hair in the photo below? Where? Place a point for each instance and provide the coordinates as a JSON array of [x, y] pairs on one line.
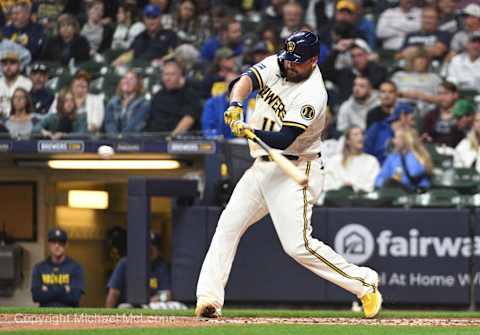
[[128, 110], [409, 165], [467, 152], [353, 167]]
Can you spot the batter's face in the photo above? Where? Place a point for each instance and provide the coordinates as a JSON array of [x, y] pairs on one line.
[[297, 72]]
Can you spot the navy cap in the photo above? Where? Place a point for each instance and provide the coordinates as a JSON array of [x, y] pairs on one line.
[[152, 11], [401, 107], [300, 47], [57, 235]]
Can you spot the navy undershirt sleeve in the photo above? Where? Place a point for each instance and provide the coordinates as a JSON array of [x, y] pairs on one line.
[[280, 139]]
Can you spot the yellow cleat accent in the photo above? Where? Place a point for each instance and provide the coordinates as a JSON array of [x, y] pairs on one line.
[[372, 303]]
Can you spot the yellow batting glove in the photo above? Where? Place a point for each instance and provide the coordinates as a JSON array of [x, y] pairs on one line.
[[233, 113], [238, 128]]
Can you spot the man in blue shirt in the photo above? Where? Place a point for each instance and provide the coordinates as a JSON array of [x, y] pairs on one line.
[[379, 134], [58, 281], [23, 31], [159, 281], [230, 37]]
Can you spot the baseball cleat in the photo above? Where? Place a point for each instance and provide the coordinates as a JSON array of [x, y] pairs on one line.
[[372, 301], [206, 310]]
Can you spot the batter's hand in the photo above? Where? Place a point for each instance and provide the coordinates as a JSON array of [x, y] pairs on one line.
[[238, 128], [233, 113]]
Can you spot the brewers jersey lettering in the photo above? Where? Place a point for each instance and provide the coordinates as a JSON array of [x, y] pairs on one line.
[[280, 102]]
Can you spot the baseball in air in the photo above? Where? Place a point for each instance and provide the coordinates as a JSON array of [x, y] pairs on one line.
[[105, 151]]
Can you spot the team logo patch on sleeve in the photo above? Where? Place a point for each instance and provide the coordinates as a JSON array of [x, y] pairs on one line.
[[307, 112]]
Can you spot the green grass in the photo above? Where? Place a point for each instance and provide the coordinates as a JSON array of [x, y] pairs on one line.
[[266, 330], [248, 312]]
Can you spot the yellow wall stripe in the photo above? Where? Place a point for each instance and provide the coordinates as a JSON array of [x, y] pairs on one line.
[[313, 252]]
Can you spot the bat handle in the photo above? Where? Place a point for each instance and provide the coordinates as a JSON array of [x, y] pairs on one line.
[[249, 134]]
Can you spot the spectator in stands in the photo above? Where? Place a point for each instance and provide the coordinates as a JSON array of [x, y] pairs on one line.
[[224, 64], [68, 45], [152, 44], [353, 112], [230, 37], [64, 121], [59, 280], [127, 27], [270, 37], [213, 124], [447, 16], [90, 104], [416, 83], [127, 112], [361, 66], [352, 168], [351, 12], [429, 37], [409, 165], [166, 10], [388, 98], [42, 97], [273, 14], [395, 23], [176, 108], [471, 24], [98, 34], [7, 46], [464, 111], [439, 125], [159, 281], [467, 152], [11, 80], [379, 135], [464, 68], [217, 20], [292, 15], [187, 24], [23, 31], [21, 121]]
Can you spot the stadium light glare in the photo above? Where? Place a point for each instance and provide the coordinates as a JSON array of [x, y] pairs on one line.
[[88, 199], [113, 164]]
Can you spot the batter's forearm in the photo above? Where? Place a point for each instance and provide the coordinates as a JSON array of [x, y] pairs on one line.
[[241, 89]]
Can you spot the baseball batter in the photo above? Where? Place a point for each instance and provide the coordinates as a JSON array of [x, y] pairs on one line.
[[289, 116]]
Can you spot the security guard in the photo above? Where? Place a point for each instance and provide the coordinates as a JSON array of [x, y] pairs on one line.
[[58, 281]]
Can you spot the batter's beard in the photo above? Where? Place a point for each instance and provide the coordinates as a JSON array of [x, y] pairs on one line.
[[297, 77]]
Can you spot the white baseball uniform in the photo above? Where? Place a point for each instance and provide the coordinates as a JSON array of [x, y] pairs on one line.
[[265, 189]]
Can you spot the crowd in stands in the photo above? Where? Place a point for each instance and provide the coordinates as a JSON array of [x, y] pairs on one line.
[[402, 76]]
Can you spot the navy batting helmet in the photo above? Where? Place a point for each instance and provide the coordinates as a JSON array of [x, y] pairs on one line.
[[299, 47]]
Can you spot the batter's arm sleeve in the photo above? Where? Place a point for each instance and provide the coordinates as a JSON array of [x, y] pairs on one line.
[[260, 73], [280, 139]]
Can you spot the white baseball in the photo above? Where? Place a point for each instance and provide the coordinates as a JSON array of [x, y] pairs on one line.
[[105, 151]]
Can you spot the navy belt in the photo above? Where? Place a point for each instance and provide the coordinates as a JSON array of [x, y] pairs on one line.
[[267, 158]]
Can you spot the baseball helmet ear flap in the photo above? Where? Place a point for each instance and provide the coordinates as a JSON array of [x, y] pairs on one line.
[[300, 47]]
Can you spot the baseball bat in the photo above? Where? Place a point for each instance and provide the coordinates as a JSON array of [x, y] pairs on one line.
[[287, 166]]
